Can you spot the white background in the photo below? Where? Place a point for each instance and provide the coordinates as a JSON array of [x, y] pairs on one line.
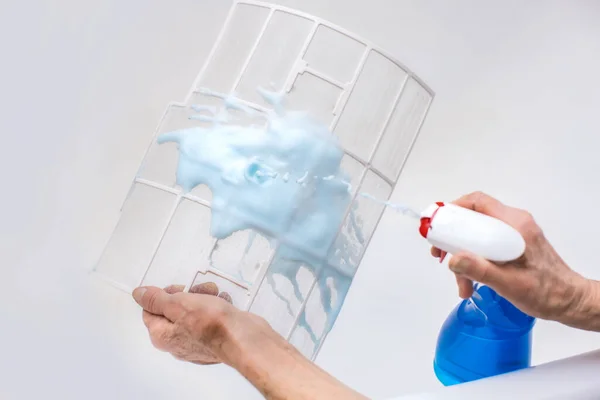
[[83, 85]]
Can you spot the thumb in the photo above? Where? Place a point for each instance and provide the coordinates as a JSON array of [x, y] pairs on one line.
[[477, 269], [152, 299]]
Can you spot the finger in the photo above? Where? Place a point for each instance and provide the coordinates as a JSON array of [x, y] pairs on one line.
[[478, 269], [465, 287], [436, 252], [210, 288], [156, 301], [174, 289], [443, 255], [482, 203], [225, 296]]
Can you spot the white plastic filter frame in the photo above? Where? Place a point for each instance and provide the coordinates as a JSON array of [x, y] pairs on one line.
[[397, 114]]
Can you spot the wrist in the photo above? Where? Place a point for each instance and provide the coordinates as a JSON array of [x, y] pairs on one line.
[[243, 334], [590, 309], [585, 312], [260, 354]]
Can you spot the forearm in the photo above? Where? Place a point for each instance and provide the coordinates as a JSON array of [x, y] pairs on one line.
[[585, 313], [279, 371]]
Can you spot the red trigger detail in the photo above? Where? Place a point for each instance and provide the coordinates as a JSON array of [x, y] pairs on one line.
[[426, 221], [425, 225]]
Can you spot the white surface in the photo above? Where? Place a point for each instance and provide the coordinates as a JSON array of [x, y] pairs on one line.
[[84, 84], [570, 378]]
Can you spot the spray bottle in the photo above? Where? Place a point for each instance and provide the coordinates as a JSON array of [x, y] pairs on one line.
[[484, 335]]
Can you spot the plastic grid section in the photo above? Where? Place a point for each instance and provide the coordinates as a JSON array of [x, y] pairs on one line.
[[407, 108]]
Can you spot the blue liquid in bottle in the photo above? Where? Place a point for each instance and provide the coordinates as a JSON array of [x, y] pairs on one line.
[[483, 336]]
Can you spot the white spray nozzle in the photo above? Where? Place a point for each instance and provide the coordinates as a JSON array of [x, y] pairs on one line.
[[453, 229]]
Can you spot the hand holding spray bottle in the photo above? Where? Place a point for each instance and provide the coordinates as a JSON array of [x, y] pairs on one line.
[[485, 335]]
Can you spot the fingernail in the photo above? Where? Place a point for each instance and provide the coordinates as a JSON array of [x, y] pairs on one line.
[[460, 266], [138, 293]]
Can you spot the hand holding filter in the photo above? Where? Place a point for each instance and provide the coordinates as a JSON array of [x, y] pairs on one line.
[[452, 229]]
